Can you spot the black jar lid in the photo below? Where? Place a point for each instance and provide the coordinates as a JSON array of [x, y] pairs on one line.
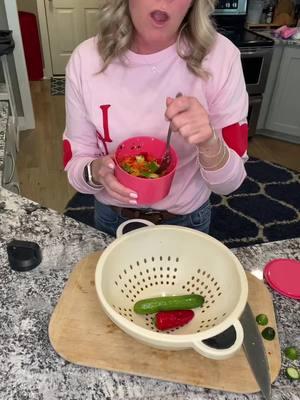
[[23, 255]]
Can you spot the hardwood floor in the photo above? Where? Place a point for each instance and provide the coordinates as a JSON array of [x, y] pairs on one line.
[[39, 161]]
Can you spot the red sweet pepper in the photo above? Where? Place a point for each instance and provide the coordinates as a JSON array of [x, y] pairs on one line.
[[165, 320]]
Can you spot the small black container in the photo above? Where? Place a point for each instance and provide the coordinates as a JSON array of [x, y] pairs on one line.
[[23, 255]]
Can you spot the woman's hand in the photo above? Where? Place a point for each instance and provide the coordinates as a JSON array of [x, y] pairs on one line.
[[103, 173], [190, 119]]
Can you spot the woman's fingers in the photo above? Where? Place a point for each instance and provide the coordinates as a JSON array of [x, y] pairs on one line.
[[118, 191], [189, 118], [176, 106], [103, 172]]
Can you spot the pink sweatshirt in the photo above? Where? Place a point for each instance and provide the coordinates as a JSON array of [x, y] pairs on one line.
[[103, 109]]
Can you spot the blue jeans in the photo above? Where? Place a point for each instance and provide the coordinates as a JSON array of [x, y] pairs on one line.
[[107, 220]]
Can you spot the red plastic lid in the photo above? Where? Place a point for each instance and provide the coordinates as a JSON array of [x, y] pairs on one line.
[[283, 275]]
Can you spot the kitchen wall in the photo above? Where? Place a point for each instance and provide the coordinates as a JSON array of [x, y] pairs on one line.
[[28, 6], [12, 67]]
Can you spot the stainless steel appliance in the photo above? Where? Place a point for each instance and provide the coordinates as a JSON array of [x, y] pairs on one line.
[[231, 7], [256, 52], [256, 63]]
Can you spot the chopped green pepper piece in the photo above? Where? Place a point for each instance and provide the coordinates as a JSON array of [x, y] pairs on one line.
[[127, 168]]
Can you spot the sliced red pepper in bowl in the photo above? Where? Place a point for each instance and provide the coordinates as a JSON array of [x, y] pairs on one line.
[[165, 320]]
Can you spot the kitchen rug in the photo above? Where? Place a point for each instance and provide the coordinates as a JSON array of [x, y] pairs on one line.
[[57, 86], [265, 208]]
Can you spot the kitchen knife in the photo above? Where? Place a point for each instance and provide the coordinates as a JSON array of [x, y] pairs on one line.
[[255, 352]]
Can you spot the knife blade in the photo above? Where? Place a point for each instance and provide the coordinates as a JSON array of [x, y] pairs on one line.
[[255, 352]]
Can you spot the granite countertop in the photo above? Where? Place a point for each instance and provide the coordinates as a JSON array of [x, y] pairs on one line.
[[278, 41], [30, 368], [3, 130]]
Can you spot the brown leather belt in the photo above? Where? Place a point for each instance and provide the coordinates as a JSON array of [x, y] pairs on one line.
[[155, 216]]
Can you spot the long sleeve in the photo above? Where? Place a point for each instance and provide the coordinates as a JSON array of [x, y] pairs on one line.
[[80, 135], [228, 108]]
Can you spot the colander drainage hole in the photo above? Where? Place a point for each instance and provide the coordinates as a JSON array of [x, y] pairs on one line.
[[125, 272], [153, 259], [145, 260]]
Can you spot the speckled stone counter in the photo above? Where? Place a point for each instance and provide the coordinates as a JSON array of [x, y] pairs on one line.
[[30, 368], [278, 41], [3, 130]]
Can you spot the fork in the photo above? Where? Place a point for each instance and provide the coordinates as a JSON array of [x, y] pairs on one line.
[[166, 158]]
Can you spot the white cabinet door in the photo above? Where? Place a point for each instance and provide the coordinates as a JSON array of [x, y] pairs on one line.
[[69, 23], [284, 112]]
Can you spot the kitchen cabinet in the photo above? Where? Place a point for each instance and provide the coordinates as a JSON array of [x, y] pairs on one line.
[[280, 116]]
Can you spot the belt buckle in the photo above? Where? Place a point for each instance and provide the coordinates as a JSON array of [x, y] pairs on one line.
[[156, 214]]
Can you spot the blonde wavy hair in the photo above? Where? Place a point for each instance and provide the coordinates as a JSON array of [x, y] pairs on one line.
[[197, 33]]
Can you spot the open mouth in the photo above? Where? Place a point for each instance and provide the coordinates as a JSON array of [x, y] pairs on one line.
[[159, 17]]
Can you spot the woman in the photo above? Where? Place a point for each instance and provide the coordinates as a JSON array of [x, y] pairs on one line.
[[123, 83]]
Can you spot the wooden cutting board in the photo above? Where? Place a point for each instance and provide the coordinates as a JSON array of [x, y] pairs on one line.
[[81, 333]]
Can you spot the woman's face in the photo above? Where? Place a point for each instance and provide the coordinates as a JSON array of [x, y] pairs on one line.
[[157, 22]]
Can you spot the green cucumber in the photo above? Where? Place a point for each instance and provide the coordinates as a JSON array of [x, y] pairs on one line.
[[168, 303], [268, 333], [292, 373], [292, 353], [262, 319]]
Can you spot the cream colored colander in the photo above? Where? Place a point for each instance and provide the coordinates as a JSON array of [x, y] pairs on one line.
[[168, 260]]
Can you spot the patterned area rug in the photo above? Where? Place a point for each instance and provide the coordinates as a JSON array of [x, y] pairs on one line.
[[57, 86], [264, 209]]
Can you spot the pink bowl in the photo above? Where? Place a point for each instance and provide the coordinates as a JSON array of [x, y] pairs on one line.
[[149, 190]]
